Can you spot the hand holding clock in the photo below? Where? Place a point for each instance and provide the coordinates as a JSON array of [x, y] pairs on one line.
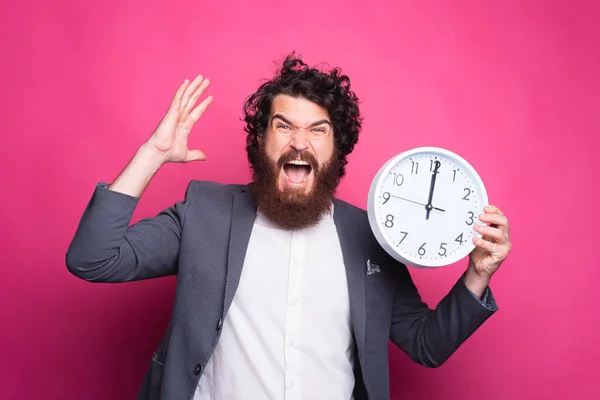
[[490, 250]]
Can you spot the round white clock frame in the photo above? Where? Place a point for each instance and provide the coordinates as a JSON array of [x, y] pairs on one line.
[[422, 206]]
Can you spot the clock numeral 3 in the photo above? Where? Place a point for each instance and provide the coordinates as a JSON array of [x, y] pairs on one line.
[[471, 218], [389, 221], [422, 249], [442, 248]]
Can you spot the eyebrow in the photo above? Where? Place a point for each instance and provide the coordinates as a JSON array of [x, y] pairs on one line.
[[287, 121]]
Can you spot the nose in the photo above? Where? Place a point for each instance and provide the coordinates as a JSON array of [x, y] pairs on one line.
[[300, 140]]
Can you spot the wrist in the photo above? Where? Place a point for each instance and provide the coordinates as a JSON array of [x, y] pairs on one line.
[[138, 173], [476, 282], [151, 157]]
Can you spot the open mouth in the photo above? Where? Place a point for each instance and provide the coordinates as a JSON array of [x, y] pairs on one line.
[[297, 171]]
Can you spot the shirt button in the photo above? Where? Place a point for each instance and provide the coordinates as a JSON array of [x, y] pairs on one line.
[[197, 369], [220, 324]]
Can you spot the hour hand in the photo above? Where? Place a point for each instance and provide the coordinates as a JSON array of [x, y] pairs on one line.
[[428, 206]]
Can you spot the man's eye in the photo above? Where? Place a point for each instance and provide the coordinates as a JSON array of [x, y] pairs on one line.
[[281, 126]]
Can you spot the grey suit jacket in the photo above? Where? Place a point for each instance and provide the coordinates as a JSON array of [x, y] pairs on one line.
[[203, 240]]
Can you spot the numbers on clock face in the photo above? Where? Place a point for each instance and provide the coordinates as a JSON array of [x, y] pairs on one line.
[[425, 218]]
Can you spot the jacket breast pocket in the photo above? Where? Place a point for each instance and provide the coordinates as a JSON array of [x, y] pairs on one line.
[[377, 274]]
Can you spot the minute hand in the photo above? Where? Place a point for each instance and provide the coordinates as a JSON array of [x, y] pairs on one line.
[[416, 202], [428, 206]]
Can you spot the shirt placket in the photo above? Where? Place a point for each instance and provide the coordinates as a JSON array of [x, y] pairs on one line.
[[293, 318]]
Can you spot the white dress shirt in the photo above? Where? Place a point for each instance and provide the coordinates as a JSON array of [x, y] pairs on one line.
[[287, 334]]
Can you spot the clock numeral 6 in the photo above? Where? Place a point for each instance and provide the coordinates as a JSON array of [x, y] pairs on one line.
[[471, 218], [389, 221], [422, 249], [442, 248]]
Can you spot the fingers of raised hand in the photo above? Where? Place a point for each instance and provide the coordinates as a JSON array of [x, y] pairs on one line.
[[176, 102], [198, 111], [193, 93], [195, 155]]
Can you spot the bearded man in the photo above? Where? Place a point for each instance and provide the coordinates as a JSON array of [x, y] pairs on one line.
[[282, 292]]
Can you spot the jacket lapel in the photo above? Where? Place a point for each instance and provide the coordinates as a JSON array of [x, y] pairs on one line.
[[242, 220], [355, 270]]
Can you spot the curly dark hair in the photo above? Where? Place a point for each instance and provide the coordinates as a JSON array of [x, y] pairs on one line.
[[330, 90]]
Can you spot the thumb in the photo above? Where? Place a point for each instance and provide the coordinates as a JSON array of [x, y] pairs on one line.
[[195, 155]]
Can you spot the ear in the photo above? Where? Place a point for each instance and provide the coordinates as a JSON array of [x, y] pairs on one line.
[[260, 138]]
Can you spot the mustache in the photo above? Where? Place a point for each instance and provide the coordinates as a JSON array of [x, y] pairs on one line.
[[298, 155]]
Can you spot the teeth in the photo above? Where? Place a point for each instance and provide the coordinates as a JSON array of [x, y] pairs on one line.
[[297, 162]]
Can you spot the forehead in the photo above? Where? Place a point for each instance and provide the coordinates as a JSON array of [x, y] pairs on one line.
[[298, 110]]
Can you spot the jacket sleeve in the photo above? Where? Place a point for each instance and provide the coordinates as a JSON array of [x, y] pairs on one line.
[[430, 337], [106, 248]]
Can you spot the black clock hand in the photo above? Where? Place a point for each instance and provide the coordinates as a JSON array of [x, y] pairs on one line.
[[428, 206], [416, 202]]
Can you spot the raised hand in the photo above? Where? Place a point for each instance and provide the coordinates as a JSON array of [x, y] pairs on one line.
[[170, 136]]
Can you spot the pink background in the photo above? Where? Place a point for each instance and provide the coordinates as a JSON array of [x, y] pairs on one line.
[[512, 86]]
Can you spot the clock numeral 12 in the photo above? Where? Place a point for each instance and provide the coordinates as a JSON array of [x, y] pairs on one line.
[[432, 165]]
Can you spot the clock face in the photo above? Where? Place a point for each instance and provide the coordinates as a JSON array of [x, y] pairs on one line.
[[423, 204]]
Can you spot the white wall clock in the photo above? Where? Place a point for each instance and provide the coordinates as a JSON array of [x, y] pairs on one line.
[[423, 204]]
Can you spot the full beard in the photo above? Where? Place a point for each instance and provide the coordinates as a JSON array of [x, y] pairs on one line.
[[290, 208]]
